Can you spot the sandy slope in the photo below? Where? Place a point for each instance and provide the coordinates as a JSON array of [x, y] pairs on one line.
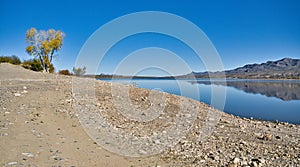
[[39, 127]]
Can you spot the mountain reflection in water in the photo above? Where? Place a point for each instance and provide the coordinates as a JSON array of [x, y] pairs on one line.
[[282, 89]]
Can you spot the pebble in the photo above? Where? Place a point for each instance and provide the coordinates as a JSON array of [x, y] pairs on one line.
[[236, 160], [261, 160], [28, 154], [268, 136], [217, 158], [57, 158], [3, 134], [143, 152], [12, 163], [17, 94], [227, 122]]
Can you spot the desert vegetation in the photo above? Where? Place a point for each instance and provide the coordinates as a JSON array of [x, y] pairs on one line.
[[10, 59]]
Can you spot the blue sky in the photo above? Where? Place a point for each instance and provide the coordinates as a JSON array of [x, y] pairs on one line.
[[242, 31]]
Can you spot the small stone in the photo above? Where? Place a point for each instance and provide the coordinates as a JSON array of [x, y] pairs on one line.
[[188, 115], [236, 160], [12, 163], [232, 165], [268, 136], [118, 126], [227, 122], [244, 162], [243, 142], [143, 152], [24, 87], [259, 136], [17, 94], [28, 154], [156, 141], [69, 100], [261, 160], [254, 164], [3, 134]]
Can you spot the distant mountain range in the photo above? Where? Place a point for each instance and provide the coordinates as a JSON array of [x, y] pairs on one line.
[[284, 90], [286, 68]]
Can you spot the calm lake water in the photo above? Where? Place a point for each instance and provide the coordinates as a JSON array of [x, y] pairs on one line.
[[261, 99]]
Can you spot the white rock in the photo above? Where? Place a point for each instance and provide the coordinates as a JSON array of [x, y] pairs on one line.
[[12, 163], [156, 141], [28, 154], [236, 160], [261, 160], [143, 152], [3, 134], [17, 94], [69, 100]]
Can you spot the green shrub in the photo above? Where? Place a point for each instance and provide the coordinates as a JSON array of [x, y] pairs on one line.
[[64, 72], [32, 64], [10, 59], [51, 68], [35, 65]]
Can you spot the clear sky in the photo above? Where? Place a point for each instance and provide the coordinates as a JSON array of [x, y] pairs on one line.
[[243, 31]]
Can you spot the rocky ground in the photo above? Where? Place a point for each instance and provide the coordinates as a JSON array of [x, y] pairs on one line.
[[54, 120]]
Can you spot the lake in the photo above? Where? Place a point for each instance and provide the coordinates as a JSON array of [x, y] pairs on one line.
[[273, 100]]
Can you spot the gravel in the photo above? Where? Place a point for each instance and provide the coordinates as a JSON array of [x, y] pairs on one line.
[[131, 122]]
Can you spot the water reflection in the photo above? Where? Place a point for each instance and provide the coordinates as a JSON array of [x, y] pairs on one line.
[[284, 90]]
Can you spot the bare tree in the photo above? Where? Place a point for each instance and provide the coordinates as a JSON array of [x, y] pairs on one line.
[[79, 71]]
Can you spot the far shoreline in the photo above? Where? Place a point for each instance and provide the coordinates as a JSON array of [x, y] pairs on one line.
[[178, 77]]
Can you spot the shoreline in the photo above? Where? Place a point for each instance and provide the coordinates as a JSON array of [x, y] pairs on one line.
[[40, 127], [180, 78]]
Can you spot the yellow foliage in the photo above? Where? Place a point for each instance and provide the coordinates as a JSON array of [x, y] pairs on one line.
[[44, 44], [29, 49], [31, 33], [51, 31]]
